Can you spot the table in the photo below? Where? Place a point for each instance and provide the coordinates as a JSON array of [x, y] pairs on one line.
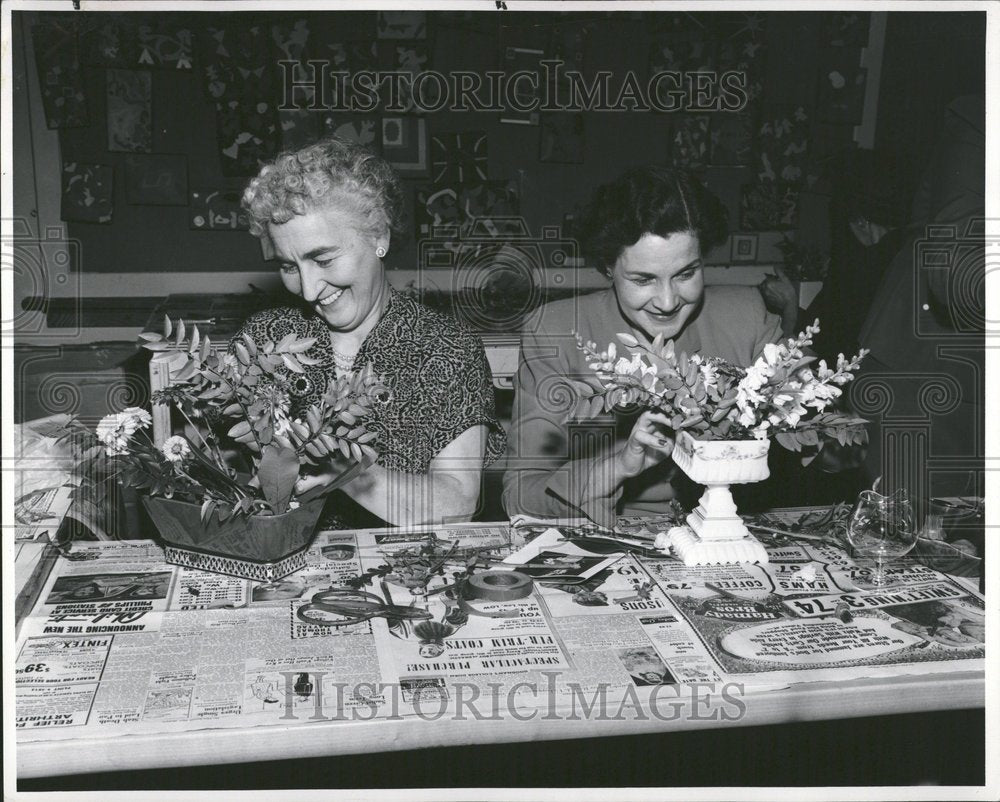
[[179, 666]]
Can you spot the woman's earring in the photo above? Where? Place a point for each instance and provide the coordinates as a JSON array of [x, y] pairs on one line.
[[380, 251]]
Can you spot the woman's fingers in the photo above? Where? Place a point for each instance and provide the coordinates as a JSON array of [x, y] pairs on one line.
[[654, 441], [307, 483], [651, 416]]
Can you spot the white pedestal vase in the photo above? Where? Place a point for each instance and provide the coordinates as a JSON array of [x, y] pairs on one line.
[[715, 533]]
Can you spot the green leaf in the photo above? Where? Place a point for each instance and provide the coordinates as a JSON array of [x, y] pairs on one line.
[[278, 471], [242, 354], [168, 327], [250, 344], [181, 332], [241, 429], [150, 336], [302, 345], [808, 437], [628, 339], [789, 441], [291, 364], [187, 372]]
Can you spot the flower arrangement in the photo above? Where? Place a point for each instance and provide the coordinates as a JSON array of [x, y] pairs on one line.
[[781, 395], [241, 452]]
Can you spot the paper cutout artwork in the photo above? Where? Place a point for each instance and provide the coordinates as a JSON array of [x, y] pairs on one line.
[[130, 96], [156, 179], [165, 45], [402, 25], [562, 138], [248, 135], [59, 75], [404, 144], [459, 157], [87, 192], [360, 129], [216, 210]]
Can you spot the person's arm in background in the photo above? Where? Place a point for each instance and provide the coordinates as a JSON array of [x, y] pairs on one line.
[[782, 298], [952, 193]]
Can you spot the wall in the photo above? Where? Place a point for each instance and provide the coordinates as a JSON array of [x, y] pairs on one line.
[[151, 250]]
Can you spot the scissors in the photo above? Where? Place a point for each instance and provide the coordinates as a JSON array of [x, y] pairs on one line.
[[354, 606]]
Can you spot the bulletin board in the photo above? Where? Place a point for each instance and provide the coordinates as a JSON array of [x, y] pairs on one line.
[[152, 112]]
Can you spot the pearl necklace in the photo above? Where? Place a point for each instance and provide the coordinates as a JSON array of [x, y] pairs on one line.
[[341, 360]]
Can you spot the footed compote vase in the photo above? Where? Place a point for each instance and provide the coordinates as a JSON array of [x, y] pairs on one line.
[[715, 533]]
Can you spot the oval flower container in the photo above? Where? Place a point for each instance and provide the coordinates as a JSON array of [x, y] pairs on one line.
[[715, 532], [258, 547]]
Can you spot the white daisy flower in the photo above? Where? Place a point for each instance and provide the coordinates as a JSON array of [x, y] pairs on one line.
[[135, 418], [113, 434], [176, 449]]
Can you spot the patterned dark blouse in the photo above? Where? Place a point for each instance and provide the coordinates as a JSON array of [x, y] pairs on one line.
[[437, 373]]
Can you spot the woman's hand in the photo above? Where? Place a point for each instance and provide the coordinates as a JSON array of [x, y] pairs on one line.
[[330, 472], [778, 291], [649, 444], [781, 297]]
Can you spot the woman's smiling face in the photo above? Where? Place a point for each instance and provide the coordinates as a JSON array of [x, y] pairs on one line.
[[659, 283], [330, 261]]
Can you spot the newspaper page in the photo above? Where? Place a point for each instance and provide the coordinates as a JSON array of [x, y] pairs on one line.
[[119, 641], [812, 614], [42, 480]]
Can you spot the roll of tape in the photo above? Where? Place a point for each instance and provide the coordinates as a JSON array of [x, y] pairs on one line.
[[499, 585]]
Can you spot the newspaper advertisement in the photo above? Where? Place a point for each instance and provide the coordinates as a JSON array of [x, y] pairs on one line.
[[382, 624], [811, 614]]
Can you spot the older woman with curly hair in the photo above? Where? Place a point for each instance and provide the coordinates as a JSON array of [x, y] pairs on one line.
[[648, 233], [328, 212]]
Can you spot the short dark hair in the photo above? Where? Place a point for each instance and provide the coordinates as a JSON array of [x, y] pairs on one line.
[[649, 200]]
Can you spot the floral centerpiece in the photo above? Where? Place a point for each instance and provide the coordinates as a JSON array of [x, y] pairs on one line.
[[222, 493], [724, 417]]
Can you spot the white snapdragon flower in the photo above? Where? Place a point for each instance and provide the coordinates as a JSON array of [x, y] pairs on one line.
[[773, 354], [282, 423], [176, 449], [623, 367], [709, 375]]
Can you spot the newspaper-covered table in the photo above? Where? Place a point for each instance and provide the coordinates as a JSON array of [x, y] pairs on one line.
[[121, 642]]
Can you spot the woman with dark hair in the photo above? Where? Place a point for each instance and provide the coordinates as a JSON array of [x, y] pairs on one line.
[[647, 232]]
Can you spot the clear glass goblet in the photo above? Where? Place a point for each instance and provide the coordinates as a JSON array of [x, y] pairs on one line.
[[881, 527]]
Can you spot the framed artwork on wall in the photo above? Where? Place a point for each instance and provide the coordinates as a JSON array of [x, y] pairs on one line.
[[744, 248]]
